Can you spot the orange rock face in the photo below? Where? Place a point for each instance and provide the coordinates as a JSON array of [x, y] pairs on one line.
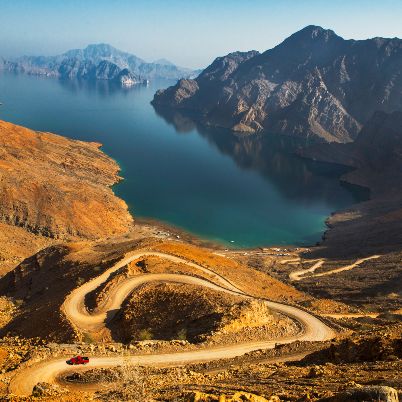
[[58, 187]]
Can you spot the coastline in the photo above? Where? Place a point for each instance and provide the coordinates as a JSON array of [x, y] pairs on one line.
[[248, 234], [173, 233], [176, 233]]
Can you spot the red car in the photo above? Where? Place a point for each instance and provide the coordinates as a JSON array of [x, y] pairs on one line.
[[78, 360]]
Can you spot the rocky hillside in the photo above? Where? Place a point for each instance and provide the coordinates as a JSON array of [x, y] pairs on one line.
[[57, 187], [315, 84], [195, 314], [96, 62], [375, 155], [376, 161]]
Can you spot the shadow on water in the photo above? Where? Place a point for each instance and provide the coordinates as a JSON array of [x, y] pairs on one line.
[[273, 157]]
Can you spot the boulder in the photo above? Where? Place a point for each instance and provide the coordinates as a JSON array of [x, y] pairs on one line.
[[43, 389], [316, 371], [372, 393]]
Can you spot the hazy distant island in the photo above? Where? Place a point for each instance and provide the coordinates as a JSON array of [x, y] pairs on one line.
[[97, 62], [314, 84]]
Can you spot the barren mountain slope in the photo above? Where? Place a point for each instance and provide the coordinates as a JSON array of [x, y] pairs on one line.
[[17, 244], [196, 314], [375, 157], [314, 84], [57, 187], [43, 281]]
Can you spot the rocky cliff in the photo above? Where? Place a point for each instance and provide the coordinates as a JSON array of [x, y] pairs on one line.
[[375, 158], [314, 84], [57, 187], [95, 62], [51, 189]]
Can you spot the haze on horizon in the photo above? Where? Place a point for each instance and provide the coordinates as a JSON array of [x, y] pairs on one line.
[[188, 33]]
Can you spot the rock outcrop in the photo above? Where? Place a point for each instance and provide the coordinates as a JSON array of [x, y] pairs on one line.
[[58, 188], [373, 393], [44, 389], [381, 345], [315, 85], [172, 311], [194, 314]]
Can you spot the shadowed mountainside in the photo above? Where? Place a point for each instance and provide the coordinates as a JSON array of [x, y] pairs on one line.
[[314, 84], [376, 157], [272, 157]]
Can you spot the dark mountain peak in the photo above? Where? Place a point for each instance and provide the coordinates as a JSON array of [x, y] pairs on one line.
[[310, 37], [304, 51], [314, 33], [314, 84]]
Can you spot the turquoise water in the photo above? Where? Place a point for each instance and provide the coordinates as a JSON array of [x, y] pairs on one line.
[[240, 191]]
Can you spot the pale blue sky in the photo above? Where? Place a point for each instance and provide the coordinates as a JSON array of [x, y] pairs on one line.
[[188, 32]]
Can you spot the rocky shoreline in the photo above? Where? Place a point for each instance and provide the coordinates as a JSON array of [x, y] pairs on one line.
[[55, 189], [376, 164]]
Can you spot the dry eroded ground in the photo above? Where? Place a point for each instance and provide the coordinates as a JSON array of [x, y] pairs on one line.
[[371, 358], [43, 282]]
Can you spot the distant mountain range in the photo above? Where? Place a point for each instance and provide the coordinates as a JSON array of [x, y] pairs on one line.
[[97, 62], [314, 84]]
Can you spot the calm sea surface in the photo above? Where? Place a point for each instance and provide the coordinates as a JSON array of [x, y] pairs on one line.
[[239, 191]]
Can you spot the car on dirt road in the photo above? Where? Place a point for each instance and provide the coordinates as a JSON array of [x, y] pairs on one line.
[[78, 360]]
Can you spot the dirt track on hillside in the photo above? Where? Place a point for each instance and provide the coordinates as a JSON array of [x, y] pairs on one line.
[[312, 329], [298, 275]]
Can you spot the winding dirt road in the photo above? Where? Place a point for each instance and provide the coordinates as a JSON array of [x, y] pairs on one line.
[[311, 328], [298, 275]]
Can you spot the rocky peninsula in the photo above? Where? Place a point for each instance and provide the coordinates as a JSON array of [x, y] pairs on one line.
[[54, 188]]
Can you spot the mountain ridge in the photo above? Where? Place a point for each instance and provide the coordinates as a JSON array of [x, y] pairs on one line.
[[314, 84], [91, 62]]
